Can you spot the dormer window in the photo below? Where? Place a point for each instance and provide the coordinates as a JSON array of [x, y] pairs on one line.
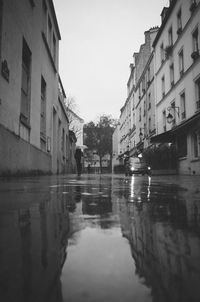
[[195, 38]]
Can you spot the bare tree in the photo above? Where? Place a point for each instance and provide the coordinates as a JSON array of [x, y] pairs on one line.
[[73, 117]]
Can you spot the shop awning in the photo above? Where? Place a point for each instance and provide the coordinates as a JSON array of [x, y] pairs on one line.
[[170, 136], [165, 137]]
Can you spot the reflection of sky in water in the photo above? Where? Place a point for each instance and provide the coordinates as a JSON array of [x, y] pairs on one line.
[[100, 268], [132, 186], [148, 188]]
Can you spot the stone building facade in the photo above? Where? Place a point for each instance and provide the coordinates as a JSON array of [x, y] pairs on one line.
[[33, 120], [166, 91], [177, 76]]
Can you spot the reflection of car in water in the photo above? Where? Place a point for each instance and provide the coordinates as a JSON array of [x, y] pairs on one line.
[[137, 166]]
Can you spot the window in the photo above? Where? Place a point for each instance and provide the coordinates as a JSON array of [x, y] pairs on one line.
[[182, 145], [25, 84], [182, 101], [43, 110], [170, 37], [140, 114], [197, 93], [164, 120], [144, 108], [173, 112], [163, 86], [32, 2], [193, 5], [140, 91], [148, 76], [145, 130], [49, 33], [143, 85], [172, 74], [196, 143], [63, 141], [150, 125], [59, 138], [162, 53], [149, 101], [54, 48], [1, 17], [195, 42], [181, 62], [44, 7], [179, 22]]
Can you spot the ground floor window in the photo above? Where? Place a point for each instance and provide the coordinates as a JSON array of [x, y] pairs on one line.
[[196, 143], [1, 17], [182, 145]]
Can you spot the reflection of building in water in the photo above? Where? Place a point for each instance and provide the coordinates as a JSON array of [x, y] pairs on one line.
[[166, 252], [162, 225], [33, 248]]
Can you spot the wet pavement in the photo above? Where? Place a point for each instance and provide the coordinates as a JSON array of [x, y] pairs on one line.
[[100, 238]]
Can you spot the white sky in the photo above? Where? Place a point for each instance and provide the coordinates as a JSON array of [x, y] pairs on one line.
[[99, 38]]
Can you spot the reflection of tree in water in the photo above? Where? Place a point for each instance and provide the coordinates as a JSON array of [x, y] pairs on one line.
[[164, 246], [98, 205]]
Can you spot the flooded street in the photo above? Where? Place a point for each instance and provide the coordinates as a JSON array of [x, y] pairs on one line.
[[100, 238]]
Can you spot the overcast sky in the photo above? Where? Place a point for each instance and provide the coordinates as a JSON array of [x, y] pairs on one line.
[[98, 39]]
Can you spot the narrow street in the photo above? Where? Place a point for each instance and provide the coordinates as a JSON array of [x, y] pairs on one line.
[[100, 238]]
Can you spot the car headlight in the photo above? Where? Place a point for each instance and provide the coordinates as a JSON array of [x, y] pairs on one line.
[[132, 169], [149, 168]]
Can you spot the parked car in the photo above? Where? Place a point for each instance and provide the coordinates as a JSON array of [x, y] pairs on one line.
[[137, 166]]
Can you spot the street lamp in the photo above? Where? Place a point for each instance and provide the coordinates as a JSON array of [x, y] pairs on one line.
[[170, 117], [141, 134]]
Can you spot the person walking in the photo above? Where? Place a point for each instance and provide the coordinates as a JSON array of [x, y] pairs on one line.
[[78, 157]]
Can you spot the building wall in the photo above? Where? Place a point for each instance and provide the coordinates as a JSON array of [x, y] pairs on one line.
[[187, 81], [22, 21], [187, 164], [19, 157], [33, 245], [186, 124]]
